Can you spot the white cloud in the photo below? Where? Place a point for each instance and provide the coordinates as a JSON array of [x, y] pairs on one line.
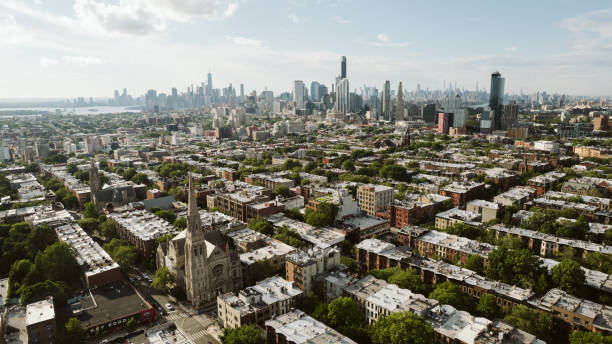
[[141, 17], [383, 40], [511, 49], [340, 20], [244, 41], [82, 60], [46, 62], [11, 32], [294, 19], [598, 22], [383, 37]]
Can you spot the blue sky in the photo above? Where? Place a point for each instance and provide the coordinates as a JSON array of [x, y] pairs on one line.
[[68, 48]]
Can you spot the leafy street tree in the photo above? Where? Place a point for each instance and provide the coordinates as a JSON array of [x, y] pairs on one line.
[[344, 312], [487, 306], [74, 334], [475, 262], [531, 321], [323, 216], [518, 266], [161, 279], [281, 190], [122, 252], [57, 262], [582, 337], [110, 229], [408, 279], [262, 269], [39, 238], [249, 334], [568, 276], [90, 211], [167, 215], [402, 328], [140, 178], [41, 290], [261, 225], [180, 223], [450, 294]]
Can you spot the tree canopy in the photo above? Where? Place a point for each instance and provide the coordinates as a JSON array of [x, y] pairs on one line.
[[531, 321], [450, 294], [402, 328], [568, 276], [344, 312], [248, 334]]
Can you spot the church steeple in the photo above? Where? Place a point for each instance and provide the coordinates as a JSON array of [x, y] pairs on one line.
[[94, 180], [194, 223]]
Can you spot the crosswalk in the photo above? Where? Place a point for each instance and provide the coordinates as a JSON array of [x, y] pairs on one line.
[[196, 335], [176, 316]]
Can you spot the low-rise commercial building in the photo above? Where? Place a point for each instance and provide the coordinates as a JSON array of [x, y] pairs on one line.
[[40, 322]]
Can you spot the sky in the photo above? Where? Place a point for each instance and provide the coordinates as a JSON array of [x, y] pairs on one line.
[[70, 48]]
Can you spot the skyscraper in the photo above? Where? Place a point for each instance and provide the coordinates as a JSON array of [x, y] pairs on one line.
[[343, 96], [454, 105], [241, 92], [314, 91], [496, 99], [386, 101], [343, 67], [510, 116], [399, 110], [298, 94]]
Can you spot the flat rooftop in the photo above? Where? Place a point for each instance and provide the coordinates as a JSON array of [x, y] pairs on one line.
[[40, 311], [111, 301]]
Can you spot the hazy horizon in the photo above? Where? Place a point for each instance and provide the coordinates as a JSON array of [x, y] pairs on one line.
[[72, 48]]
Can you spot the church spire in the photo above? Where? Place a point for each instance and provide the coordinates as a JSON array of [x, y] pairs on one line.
[[193, 215]]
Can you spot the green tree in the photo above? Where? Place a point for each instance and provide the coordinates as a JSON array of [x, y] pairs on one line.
[[408, 279], [39, 238], [57, 262], [261, 225], [323, 216], [289, 237], [74, 333], [348, 165], [90, 211], [140, 178], [450, 294], [320, 312], [70, 201], [110, 229], [262, 269], [19, 270], [402, 328], [249, 334], [129, 173], [344, 312], [531, 321], [180, 223], [89, 224], [475, 262], [161, 279], [41, 290], [487, 306], [518, 267], [582, 337], [281, 190], [125, 255], [568, 276], [178, 193], [350, 263], [167, 215]]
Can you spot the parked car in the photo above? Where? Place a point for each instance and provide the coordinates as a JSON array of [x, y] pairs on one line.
[[169, 306]]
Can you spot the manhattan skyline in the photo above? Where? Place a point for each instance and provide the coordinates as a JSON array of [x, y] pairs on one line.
[[89, 47]]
